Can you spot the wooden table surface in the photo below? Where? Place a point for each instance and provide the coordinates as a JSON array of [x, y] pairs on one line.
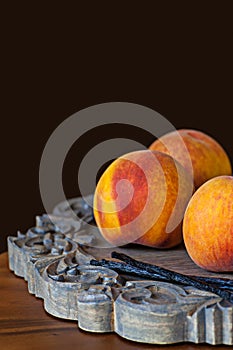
[[24, 324]]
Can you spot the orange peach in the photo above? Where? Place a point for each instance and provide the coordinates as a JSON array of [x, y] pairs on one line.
[[208, 158], [141, 197], [208, 225]]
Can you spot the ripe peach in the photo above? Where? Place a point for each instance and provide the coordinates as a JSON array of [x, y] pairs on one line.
[[208, 225], [141, 197], [208, 158]]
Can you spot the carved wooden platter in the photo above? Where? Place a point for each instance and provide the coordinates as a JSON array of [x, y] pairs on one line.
[[54, 258]]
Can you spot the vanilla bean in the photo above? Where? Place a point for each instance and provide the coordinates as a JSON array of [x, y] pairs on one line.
[[172, 276], [219, 282], [127, 269], [222, 283]]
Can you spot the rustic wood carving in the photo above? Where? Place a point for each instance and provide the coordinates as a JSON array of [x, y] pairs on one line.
[[53, 260]]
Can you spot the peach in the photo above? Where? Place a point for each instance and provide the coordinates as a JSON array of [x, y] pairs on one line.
[[208, 158], [141, 197], [208, 225]]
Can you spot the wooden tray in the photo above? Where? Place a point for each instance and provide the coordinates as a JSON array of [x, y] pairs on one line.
[[54, 258]]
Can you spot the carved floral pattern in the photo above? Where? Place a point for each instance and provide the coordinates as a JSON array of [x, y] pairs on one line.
[[51, 259]]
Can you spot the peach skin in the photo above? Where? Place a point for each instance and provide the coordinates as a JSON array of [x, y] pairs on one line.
[[208, 158], [141, 198], [208, 225]]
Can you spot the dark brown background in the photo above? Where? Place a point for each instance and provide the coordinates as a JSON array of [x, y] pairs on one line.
[[58, 59]]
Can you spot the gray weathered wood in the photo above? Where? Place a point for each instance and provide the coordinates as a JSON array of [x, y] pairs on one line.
[[53, 260]]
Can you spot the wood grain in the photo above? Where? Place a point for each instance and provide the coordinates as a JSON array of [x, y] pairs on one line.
[[54, 259], [58, 270], [25, 325]]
